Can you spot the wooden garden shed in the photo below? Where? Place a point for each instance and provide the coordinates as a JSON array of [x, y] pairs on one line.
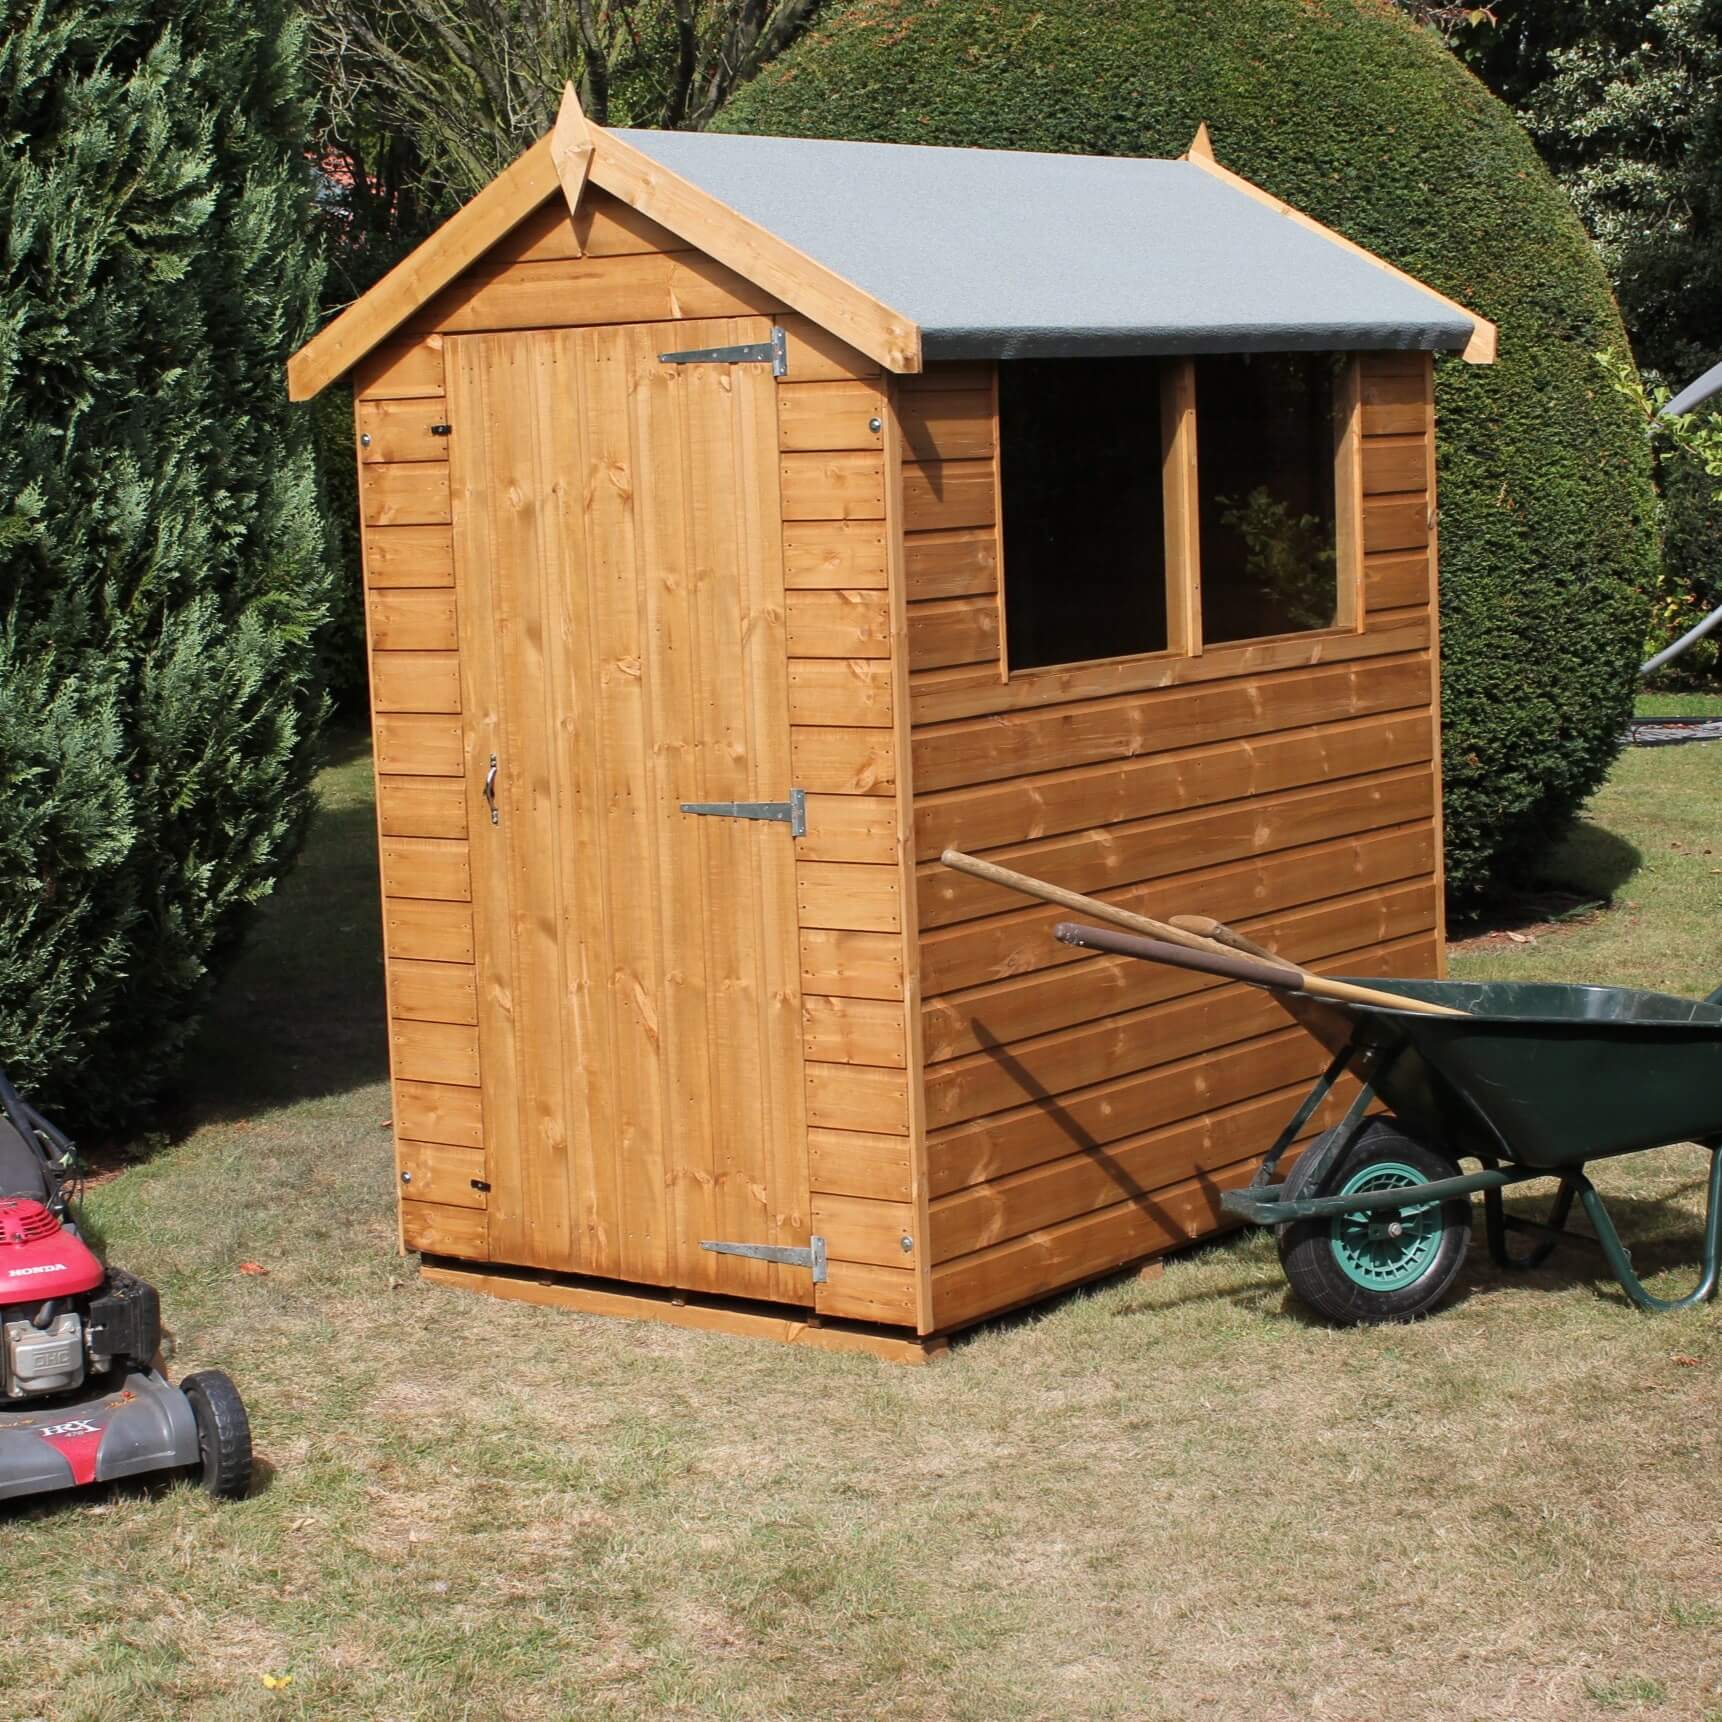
[[748, 519]]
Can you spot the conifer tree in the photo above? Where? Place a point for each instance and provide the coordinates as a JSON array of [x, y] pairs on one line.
[[164, 563]]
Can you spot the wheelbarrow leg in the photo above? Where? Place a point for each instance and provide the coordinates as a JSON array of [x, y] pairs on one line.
[[1326, 1150], [1294, 1125], [1621, 1263], [1370, 1062], [1497, 1223]]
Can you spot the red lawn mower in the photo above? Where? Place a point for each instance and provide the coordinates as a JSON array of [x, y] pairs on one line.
[[82, 1395]]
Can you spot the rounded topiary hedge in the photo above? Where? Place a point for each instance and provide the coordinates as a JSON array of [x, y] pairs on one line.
[[1366, 122]]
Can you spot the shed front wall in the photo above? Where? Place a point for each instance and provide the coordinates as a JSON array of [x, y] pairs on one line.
[[840, 618], [1083, 1111]]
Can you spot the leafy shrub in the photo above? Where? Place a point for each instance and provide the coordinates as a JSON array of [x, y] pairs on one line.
[[163, 559], [1691, 584], [1355, 115]]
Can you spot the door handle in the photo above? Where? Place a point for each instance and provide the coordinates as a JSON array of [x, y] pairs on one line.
[[490, 792]]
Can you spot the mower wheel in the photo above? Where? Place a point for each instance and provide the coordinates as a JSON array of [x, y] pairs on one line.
[[223, 1433]]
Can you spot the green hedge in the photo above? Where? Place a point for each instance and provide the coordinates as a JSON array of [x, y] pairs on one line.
[[163, 558], [1367, 123]]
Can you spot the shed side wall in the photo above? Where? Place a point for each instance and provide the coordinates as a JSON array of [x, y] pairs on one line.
[[412, 625], [847, 676], [1085, 1111]]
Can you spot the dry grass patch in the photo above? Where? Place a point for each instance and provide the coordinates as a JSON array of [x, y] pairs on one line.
[[1167, 1499]]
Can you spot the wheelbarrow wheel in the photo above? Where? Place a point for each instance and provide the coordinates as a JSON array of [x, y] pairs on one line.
[[1382, 1266]]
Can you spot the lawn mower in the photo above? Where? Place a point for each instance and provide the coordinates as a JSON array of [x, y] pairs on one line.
[[82, 1395]]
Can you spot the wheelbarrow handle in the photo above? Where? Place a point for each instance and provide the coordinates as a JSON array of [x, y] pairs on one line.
[[1235, 967]]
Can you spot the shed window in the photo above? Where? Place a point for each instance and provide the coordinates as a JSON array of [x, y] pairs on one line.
[[1265, 475], [1084, 513]]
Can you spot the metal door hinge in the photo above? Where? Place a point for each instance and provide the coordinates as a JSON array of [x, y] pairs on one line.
[[790, 1257], [792, 812], [774, 352]]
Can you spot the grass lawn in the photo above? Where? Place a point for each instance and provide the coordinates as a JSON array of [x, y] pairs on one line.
[[1165, 1499], [1678, 705]]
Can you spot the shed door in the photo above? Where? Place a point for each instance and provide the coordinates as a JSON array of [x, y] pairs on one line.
[[618, 558]]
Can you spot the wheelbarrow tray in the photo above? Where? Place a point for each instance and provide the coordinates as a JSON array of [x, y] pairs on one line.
[[1544, 1075]]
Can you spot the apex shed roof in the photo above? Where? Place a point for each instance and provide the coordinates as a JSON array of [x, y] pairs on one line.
[[1006, 254], [911, 252]]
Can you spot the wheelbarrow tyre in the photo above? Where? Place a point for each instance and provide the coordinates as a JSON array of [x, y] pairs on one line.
[[1351, 1277]]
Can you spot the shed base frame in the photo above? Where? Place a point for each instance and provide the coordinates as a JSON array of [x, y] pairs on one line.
[[708, 1314]]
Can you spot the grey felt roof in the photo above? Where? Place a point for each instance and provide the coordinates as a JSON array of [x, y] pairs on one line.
[[1005, 254]]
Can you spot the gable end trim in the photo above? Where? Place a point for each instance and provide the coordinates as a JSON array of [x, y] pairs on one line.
[[1479, 350], [424, 272], [572, 155], [803, 283]]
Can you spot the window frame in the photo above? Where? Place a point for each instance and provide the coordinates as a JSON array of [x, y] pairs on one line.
[[1180, 473]]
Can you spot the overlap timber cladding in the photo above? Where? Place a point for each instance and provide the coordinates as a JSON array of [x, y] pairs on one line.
[[413, 632], [846, 663], [1082, 1111], [847, 679]]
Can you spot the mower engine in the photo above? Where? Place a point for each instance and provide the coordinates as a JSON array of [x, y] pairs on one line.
[[82, 1395], [62, 1314]]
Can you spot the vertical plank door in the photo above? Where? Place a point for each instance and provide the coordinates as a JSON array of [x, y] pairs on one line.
[[619, 564]]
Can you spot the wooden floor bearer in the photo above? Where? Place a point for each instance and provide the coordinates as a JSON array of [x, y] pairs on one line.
[[748, 520]]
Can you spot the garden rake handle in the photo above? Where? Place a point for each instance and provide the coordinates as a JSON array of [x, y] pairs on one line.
[[1291, 977]]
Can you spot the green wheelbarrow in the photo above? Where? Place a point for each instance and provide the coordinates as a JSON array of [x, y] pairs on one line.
[[1530, 1080]]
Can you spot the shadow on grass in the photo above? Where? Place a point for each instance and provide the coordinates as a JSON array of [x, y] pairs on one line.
[[1592, 860], [148, 1486], [301, 1014], [1584, 873], [1660, 1233], [346, 745]]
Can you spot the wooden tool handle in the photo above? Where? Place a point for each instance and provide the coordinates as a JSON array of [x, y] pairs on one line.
[[1317, 986], [1349, 992], [1220, 933], [1032, 887]]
